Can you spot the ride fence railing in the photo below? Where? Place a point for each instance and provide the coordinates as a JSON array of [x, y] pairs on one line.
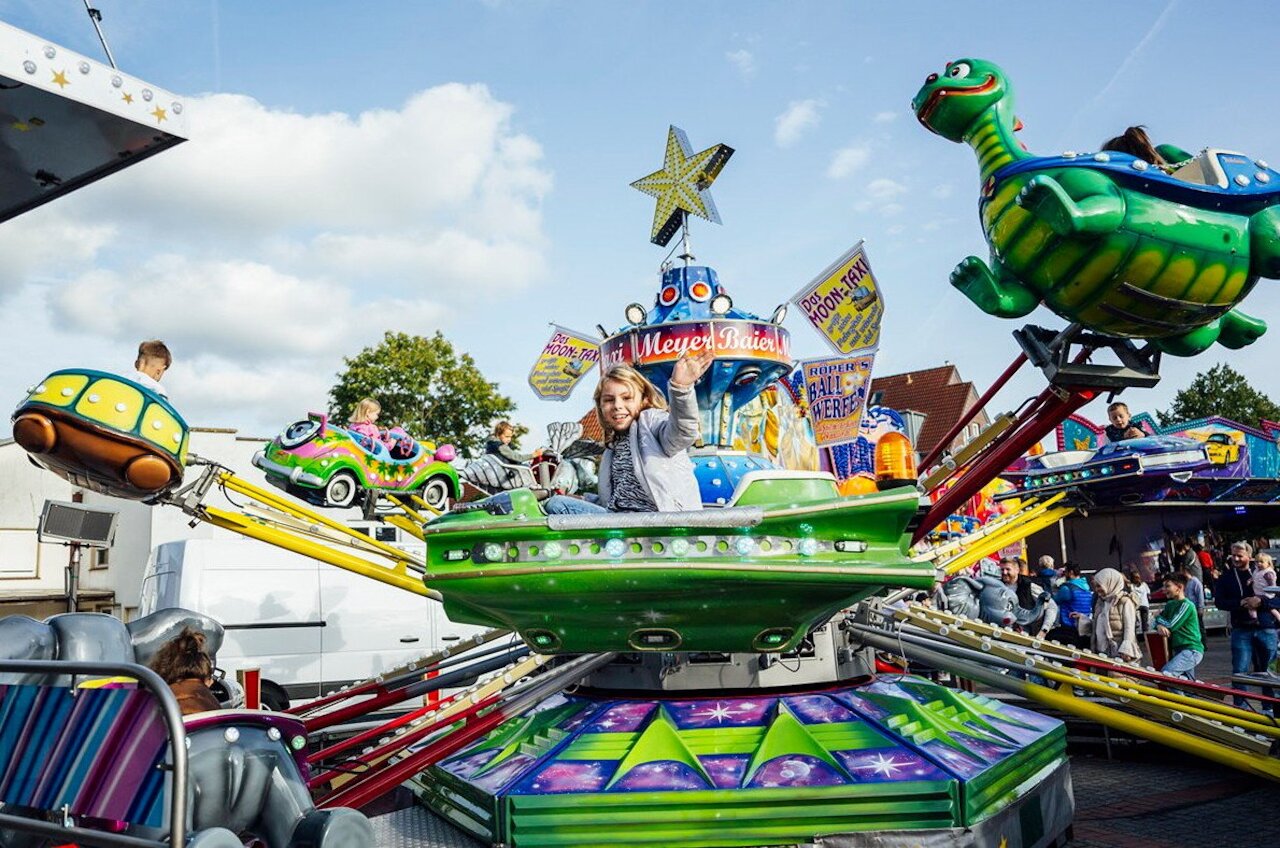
[[89, 750]]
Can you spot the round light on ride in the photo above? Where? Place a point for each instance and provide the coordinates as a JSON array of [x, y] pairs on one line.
[[552, 550], [635, 314], [744, 545], [700, 291], [808, 547], [679, 547], [615, 548], [669, 295], [779, 314], [721, 304], [895, 461], [493, 552]]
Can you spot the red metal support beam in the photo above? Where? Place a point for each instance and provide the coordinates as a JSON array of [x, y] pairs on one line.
[[1048, 410]]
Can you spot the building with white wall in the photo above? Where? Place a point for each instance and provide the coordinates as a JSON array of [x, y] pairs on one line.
[[33, 574]]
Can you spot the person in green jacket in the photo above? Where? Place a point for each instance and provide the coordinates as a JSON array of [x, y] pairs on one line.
[[1179, 622]]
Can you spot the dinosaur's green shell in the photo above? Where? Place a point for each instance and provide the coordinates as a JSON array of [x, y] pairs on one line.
[[1168, 268]]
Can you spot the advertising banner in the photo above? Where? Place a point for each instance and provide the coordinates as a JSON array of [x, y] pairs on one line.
[[844, 304], [837, 392], [665, 343], [565, 358]]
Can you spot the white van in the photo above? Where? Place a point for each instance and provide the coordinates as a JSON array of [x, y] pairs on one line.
[[310, 627]]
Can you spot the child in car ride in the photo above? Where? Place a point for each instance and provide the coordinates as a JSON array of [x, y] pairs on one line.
[[363, 425], [646, 465]]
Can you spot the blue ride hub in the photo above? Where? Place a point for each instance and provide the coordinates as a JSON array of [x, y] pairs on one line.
[[906, 758], [692, 310], [751, 352], [719, 472]]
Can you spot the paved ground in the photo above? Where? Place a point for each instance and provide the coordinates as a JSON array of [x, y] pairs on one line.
[[1147, 796]]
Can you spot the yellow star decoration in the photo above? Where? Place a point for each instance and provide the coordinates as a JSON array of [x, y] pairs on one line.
[[159, 114], [60, 79], [681, 186], [127, 97], [1082, 444]]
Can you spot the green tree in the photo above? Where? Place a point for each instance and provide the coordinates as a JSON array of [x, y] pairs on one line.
[[1224, 391], [425, 387]]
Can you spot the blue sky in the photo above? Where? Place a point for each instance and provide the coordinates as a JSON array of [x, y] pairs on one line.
[[464, 166]]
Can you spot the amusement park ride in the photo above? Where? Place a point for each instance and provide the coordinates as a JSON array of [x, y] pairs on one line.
[[699, 678]]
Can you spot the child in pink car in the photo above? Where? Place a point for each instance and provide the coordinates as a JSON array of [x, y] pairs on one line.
[[363, 424]]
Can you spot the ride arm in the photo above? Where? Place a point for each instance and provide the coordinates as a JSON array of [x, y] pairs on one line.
[[681, 427], [1077, 202]]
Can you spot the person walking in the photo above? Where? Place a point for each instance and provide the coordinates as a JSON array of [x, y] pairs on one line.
[[1253, 639]]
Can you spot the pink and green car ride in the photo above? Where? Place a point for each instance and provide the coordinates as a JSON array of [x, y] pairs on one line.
[[325, 464]]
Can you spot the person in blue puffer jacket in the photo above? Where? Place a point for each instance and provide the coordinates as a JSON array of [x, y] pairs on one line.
[[1074, 599]]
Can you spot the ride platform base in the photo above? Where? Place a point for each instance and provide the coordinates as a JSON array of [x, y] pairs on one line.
[[895, 761]]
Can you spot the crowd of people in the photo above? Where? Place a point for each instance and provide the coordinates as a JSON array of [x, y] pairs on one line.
[[1109, 612]]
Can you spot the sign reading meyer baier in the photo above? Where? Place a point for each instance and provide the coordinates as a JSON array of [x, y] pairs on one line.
[[844, 305]]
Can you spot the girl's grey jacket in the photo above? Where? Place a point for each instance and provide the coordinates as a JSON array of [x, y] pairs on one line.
[[660, 443]]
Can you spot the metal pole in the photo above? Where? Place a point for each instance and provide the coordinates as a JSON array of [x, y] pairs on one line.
[[96, 17], [73, 577]]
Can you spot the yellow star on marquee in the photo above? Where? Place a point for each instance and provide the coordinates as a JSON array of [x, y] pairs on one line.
[[681, 186], [159, 114], [60, 79], [127, 97]]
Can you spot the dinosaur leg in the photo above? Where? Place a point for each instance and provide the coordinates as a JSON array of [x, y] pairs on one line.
[[1239, 329], [1082, 204], [996, 293], [1264, 243], [1193, 342]]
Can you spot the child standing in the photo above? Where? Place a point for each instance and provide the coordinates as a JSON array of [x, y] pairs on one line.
[[646, 465], [1179, 622]]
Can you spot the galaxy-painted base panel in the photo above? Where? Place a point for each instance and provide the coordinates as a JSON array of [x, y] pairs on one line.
[[895, 754]]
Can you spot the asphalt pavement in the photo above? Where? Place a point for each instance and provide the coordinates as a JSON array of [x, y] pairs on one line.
[[1144, 795]]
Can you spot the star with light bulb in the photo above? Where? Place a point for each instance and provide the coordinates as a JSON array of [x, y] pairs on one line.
[[681, 186]]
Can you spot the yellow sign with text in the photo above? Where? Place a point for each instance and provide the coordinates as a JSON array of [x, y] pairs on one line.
[[566, 358], [844, 304]]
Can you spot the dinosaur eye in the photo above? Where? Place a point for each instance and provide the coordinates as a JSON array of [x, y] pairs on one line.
[[959, 69]]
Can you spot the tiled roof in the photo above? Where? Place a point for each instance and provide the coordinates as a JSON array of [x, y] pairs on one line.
[[591, 428], [938, 393]]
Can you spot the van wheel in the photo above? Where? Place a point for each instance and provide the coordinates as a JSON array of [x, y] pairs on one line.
[[437, 492], [274, 697], [341, 490]]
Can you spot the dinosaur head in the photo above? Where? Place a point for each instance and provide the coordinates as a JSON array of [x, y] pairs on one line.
[[949, 104]]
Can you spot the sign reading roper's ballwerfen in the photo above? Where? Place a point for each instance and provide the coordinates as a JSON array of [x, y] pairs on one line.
[[837, 392], [844, 304], [663, 343], [565, 358]]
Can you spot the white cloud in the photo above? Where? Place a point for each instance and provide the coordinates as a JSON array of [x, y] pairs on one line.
[[744, 60], [884, 117], [798, 118], [848, 160], [942, 191], [251, 309], [275, 242], [884, 188]]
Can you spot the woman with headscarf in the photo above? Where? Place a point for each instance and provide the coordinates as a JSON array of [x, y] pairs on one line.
[[1115, 616]]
